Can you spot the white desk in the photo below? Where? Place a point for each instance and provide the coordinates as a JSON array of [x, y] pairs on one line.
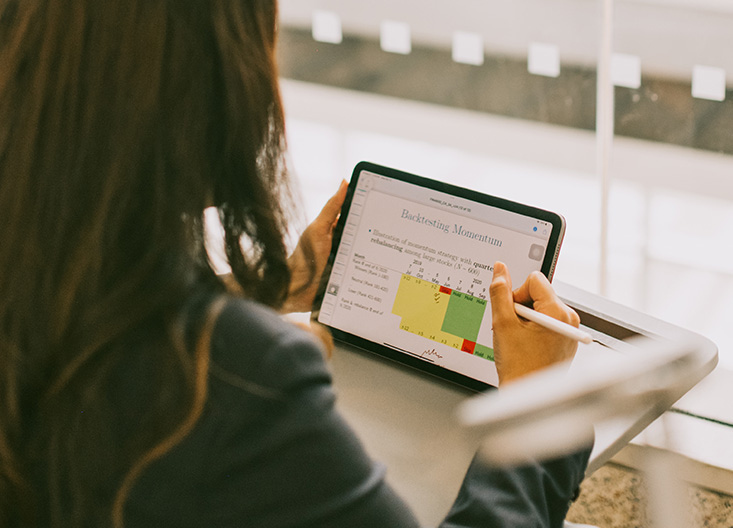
[[405, 418]]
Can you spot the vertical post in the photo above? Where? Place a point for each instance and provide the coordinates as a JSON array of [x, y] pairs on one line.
[[643, 286], [604, 131], [669, 505]]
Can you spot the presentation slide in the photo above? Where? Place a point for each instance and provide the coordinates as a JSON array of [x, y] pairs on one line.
[[413, 271]]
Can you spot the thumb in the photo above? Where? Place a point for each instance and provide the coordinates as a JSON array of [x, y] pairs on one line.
[[502, 298], [331, 210]]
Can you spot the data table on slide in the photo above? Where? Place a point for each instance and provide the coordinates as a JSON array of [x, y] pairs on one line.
[[440, 314]]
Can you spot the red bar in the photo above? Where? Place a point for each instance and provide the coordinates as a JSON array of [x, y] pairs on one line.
[[468, 346], [443, 289]]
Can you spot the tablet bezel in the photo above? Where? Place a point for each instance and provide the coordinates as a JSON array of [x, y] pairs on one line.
[[405, 357]]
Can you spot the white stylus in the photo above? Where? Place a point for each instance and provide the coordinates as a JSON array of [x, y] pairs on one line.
[[552, 324]]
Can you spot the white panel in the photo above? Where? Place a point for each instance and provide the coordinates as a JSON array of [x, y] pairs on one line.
[[660, 31], [708, 83], [544, 59], [327, 27], [468, 48], [626, 70], [395, 37]]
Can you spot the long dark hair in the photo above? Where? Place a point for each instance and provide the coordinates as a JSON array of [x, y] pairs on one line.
[[120, 122]]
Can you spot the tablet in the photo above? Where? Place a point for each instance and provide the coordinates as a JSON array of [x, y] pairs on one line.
[[410, 267]]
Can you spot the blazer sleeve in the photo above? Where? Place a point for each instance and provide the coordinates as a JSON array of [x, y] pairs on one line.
[[534, 495]]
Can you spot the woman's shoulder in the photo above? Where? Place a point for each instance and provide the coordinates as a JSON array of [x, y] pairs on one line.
[[267, 378], [252, 343]]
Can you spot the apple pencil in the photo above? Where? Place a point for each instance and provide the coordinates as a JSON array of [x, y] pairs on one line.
[[552, 324]]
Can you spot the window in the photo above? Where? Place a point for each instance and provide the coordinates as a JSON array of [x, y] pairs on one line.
[[502, 97]]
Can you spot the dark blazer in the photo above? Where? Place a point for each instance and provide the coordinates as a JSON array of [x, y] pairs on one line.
[[271, 451]]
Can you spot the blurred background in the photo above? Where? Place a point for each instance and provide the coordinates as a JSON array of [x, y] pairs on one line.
[[615, 113], [502, 97]]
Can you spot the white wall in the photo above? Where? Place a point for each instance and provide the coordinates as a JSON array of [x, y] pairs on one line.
[[670, 36]]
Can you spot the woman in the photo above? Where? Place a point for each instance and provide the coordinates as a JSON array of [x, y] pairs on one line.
[[137, 389]]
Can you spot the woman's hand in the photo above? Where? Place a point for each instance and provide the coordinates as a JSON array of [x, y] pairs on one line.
[[318, 235], [520, 346]]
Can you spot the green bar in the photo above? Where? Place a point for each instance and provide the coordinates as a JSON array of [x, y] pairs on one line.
[[463, 316], [484, 352]]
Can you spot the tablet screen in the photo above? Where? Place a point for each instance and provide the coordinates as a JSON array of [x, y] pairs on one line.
[[411, 266]]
